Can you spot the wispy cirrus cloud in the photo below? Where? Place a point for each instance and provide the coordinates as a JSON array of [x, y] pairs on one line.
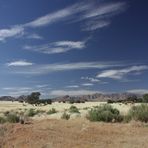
[[87, 84], [121, 73], [58, 15], [86, 11], [57, 47], [94, 25], [18, 91], [34, 36], [94, 16], [105, 9], [11, 32], [100, 16], [19, 63], [90, 79], [73, 86], [138, 91], [37, 69]]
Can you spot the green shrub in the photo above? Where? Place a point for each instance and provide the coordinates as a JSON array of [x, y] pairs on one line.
[[2, 120], [31, 112], [65, 116], [110, 101], [105, 113], [73, 109], [52, 111], [138, 113], [12, 118]]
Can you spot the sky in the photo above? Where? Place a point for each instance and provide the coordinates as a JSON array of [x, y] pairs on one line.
[[73, 47]]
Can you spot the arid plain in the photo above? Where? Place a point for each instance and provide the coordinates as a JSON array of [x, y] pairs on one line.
[[50, 131]]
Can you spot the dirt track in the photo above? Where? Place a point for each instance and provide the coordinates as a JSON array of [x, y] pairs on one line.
[[76, 133]]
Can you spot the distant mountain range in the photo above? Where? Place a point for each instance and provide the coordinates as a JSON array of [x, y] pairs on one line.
[[93, 97], [10, 98], [98, 97]]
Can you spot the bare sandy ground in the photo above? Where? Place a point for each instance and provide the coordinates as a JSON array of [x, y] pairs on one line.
[[77, 133]]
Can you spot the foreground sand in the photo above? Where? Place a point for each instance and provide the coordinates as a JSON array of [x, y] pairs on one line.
[[77, 133]]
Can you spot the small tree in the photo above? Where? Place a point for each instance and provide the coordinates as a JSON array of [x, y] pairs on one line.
[[132, 98], [145, 98], [33, 98]]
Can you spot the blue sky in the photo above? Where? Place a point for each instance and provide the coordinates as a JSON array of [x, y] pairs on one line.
[[73, 47]]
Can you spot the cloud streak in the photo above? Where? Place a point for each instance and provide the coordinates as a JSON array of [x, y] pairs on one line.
[[56, 67], [87, 84], [19, 63], [138, 91], [95, 16], [73, 86], [90, 79], [120, 73], [57, 47], [12, 32]]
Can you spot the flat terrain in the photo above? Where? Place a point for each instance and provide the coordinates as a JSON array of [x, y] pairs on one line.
[[60, 107], [50, 131], [75, 133]]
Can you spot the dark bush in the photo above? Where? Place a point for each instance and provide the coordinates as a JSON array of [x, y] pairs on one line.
[[110, 101], [65, 116], [31, 112], [52, 111], [12, 118], [104, 113], [2, 120], [138, 113], [73, 109]]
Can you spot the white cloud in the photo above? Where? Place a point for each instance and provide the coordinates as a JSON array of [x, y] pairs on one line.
[[85, 11], [17, 91], [73, 92], [138, 91], [94, 25], [19, 63], [105, 9], [72, 86], [17, 88], [47, 68], [94, 16], [90, 79], [34, 36], [120, 73], [99, 17], [12, 32], [42, 86], [52, 17], [87, 84], [57, 47]]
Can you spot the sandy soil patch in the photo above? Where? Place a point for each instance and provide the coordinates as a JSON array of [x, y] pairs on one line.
[[78, 133]]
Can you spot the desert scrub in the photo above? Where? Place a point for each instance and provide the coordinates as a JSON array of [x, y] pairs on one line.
[[12, 118], [86, 108], [73, 109], [32, 112], [105, 113], [65, 116], [138, 113], [52, 111], [2, 120]]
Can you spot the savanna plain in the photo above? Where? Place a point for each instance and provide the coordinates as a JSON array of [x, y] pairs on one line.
[[64, 125]]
